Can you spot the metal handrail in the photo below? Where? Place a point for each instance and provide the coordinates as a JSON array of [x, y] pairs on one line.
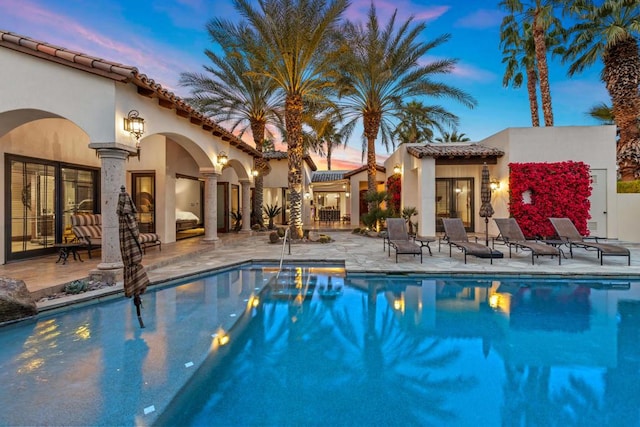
[[286, 237]]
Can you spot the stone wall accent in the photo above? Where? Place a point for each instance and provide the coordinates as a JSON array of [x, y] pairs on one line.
[[15, 300]]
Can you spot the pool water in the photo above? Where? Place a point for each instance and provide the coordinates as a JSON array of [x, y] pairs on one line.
[[318, 347], [427, 351]]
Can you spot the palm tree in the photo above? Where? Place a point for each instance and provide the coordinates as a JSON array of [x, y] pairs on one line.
[[230, 92], [326, 132], [379, 69], [609, 32], [417, 122], [452, 136], [540, 15], [603, 113], [517, 45], [295, 39]]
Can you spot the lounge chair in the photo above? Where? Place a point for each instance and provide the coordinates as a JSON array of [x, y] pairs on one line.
[[569, 234], [456, 235], [399, 239], [512, 236]]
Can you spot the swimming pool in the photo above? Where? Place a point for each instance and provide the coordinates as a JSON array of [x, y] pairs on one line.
[[367, 350]]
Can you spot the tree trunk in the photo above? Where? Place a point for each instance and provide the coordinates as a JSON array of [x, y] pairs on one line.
[[329, 148], [533, 96], [371, 127], [295, 152], [543, 71], [257, 128], [621, 75]]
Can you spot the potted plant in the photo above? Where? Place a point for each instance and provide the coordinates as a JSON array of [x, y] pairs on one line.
[[237, 220], [272, 211]]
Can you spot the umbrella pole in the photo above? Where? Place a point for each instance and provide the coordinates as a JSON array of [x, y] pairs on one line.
[[138, 303], [486, 230]]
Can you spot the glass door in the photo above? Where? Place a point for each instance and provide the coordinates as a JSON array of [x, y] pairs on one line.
[[31, 208], [223, 207], [143, 188], [454, 199]]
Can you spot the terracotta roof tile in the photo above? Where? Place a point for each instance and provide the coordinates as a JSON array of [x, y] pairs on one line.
[[349, 174], [118, 72], [441, 150]]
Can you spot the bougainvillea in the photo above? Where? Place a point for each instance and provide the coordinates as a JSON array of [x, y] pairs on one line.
[[539, 191], [394, 190]]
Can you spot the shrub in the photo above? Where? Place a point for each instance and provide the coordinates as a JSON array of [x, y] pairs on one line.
[[75, 287], [281, 231], [273, 237], [629, 186]]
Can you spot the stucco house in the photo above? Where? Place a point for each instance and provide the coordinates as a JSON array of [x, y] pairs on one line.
[[68, 146]]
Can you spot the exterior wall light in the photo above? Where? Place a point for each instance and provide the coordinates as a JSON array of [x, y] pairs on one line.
[[223, 159], [134, 124], [397, 168], [494, 184], [254, 172]]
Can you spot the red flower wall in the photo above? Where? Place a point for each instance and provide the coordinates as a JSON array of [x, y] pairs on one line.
[[394, 190], [557, 190]]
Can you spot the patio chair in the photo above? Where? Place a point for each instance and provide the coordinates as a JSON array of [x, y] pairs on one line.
[[456, 235], [512, 236], [568, 233], [399, 239]]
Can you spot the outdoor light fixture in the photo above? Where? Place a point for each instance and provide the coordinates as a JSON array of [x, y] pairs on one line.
[[134, 124], [254, 172], [307, 195], [223, 159], [347, 195], [494, 184], [397, 168]]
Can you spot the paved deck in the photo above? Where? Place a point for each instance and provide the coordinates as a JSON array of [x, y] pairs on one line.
[[358, 253]]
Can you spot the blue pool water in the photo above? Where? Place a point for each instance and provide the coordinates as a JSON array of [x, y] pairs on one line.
[[333, 350]]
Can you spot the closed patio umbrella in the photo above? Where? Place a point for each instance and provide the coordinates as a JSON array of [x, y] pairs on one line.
[[135, 276], [486, 210]]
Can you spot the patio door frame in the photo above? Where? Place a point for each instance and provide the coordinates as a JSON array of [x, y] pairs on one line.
[[455, 199]]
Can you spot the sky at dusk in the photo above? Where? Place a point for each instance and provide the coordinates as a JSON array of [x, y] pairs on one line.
[[164, 38]]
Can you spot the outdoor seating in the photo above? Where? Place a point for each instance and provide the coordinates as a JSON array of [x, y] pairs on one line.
[[568, 233], [511, 235], [456, 235], [88, 229], [399, 239]]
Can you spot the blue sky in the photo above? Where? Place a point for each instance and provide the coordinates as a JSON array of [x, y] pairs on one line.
[[165, 38]]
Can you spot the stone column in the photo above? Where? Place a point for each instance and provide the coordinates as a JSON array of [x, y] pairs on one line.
[[112, 177], [246, 206], [210, 205]]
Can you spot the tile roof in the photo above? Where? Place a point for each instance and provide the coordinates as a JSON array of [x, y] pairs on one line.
[[327, 176], [123, 73], [282, 155], [363, 168], [440, 150]]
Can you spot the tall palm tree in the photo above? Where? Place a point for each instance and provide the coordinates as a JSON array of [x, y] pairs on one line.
[[516, 40], [418, 121], [327, 130], [295, 39], [230, 92], [609, 31], [540, 15], [452, 136], [379, 68]]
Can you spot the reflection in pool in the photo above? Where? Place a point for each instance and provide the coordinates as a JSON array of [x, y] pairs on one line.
[[398, 350]]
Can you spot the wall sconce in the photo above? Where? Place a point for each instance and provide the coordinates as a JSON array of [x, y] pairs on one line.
[[134, 124], [494, 184], [307, 195], [397, 169], [347, 195], [254, 172], [223, 159]]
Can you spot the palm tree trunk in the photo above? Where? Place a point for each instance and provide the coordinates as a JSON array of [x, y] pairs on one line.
[[543, 71], [621, 75], [533, 96], [371, 126], [329, 147], [295, 152], [257, 128]]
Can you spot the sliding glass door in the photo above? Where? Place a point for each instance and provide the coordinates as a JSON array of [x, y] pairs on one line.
[[454, 199], [41, 196]]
